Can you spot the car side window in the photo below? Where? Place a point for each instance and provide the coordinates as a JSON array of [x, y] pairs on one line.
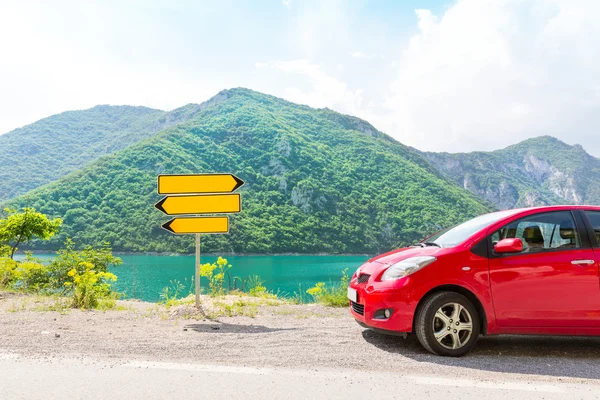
[[594, 217], [543, 232], [495, 237]]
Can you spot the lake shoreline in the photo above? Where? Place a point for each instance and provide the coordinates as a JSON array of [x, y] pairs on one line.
[[145, 277], [129, 253]]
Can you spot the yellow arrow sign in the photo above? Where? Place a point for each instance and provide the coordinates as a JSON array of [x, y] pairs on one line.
[[198, 183], [201, 204], [198, 225]]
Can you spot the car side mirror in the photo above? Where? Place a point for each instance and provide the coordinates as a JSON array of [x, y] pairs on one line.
[[514, 245]]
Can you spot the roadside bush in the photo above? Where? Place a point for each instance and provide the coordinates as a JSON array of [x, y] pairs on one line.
[[299, 297], [31, 277], [88, 285], [8, 274], [68, 259], [256, 288], [215, 273], [180, 293], [82, 274], [332, 295], [170, 294]]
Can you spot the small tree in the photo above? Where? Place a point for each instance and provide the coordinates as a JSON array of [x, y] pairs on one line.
[[4, 250], [20, 228]]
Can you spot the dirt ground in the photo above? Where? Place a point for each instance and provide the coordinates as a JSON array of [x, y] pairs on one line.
[[151, 331], [283, 335]]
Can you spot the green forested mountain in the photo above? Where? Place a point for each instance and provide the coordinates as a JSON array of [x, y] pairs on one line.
[[539, 171], [316, 181], [55, 146]]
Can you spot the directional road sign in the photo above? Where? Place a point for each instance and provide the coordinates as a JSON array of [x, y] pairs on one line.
[[198, 225], [198, 183], [201, 204], [221, 201]]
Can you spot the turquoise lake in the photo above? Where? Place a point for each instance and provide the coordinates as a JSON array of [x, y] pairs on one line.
[[144, 277]]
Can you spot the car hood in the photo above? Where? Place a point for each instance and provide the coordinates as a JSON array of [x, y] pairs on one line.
[[377, 264], [402, 254]]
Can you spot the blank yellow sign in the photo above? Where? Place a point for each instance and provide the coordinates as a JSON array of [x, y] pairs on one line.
[[201, 204], [198, 183], [198, 225]]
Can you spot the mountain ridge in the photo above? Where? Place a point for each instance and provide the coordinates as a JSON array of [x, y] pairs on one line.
[[316, 182], [538, 171], [53, 147], [283, 151]]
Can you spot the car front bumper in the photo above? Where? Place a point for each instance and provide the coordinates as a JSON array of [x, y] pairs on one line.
[[367, 310]]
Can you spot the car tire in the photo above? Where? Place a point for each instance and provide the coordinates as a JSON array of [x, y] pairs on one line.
[[447, 324]]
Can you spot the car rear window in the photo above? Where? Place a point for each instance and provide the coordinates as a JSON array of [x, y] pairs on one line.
[[594, 217]]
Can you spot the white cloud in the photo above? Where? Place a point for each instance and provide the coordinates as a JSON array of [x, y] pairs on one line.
[[287, 3], [322, 29], [46, 68], [480, 75], [490, 73], [317, 89], [359, 54]]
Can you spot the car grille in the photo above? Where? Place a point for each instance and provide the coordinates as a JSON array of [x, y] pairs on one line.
[[363, 278], [357, 308]]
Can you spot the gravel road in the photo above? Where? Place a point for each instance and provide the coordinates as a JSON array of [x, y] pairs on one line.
[[305, 337]]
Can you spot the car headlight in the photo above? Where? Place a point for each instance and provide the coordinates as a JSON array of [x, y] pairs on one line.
[[406, 267]]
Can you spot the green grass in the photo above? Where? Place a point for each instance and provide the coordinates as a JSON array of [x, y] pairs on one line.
[[332, 295]]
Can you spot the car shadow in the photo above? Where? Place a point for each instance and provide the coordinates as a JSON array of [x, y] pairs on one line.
[[222, 327], [568, 356]]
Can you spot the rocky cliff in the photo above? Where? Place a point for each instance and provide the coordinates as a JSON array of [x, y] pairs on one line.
[[539, 171]]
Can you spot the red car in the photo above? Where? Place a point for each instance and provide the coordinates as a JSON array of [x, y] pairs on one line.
[[526, 271]]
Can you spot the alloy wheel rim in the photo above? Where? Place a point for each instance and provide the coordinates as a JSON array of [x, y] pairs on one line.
[[452, 326]]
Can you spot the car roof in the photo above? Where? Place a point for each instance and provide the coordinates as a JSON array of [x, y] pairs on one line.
[[556, 208], [534, 210]]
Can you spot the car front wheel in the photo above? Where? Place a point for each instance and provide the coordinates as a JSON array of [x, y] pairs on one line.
[[447, 324]]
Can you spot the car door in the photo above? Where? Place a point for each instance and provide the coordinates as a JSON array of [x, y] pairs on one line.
[[592, 219], [553, 282]]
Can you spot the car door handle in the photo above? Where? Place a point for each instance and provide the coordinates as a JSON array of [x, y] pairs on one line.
[[583, 262]]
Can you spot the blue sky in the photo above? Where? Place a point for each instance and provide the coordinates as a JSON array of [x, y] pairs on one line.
[[456, 75]]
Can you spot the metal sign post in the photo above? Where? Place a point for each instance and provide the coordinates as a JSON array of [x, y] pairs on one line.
[[197, 278], [199, 194]]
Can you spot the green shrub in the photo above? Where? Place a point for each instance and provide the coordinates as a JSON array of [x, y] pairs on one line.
[[8, 274], [256, 288], [332, 295], [299, 296], [82, 274], [28, 275], [68, 258], [32, 276], [90, 286], [215, 280], [170, 294]]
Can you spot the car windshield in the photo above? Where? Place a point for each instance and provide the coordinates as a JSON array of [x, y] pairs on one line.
[[453, 236]]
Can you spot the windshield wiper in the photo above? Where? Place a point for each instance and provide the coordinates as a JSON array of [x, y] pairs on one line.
[[426, 244]]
